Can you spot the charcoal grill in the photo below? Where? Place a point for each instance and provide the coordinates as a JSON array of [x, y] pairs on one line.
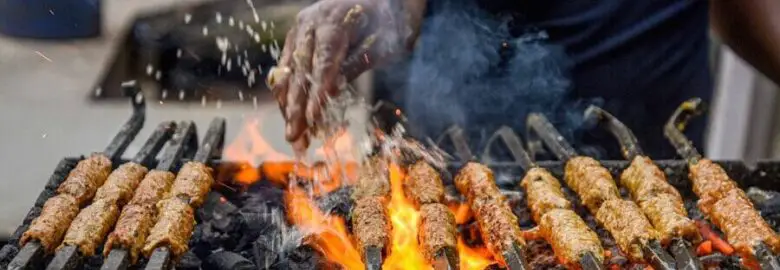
[[239, 225]]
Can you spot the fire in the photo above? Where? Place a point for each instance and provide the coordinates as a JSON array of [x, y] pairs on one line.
[[250, 148], [405, 250], [329, 233], [473, 258]]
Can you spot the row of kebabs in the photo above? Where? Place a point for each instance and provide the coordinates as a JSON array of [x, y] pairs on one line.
[[150, 209], [656, 212]]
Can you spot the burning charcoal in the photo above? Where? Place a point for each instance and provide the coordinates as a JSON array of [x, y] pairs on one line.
[[198, 244], [215, 207], [214, 238], [265, 194], [227, 224], [93, 262], [263, 252], [303, 257], [226, 260], [768, 202], [188, 261], [337, 202], [541, 256], [519, 207]]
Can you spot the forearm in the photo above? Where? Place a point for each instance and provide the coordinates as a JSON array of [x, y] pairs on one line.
[[752, 29], [414, 9]]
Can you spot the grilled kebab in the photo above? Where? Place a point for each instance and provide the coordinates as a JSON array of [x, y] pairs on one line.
[[370, 223], [566, 232], [497, 224], [658, 200], [59, 211], [730, 209], [176, 218], [437, 224], [598, 192], [94, 222], [139, 215]]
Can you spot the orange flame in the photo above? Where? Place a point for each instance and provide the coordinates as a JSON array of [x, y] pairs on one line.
[[251, 148], [329, 232], [405, 250], [473, 258]]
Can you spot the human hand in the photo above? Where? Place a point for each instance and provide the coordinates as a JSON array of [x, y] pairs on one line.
[[332, 42]]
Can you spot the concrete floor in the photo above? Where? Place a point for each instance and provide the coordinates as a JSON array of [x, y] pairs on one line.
[[45, 115]]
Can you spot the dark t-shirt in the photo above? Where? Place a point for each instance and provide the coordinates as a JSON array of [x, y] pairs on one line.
[[484, 65]]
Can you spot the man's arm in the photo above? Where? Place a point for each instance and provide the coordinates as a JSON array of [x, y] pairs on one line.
[[415, 9], [752, 29]]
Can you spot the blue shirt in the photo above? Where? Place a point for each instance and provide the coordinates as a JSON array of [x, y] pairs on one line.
[[484, 65]]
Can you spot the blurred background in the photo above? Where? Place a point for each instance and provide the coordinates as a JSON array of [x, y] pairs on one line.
[[61, 97]]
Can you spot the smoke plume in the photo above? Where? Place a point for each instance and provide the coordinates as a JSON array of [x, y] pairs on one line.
[[468, 70]]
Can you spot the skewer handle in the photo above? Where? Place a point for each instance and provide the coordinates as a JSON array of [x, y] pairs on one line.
[[155, 143], [657, 257], [515, 258], [28, 258], [766, 259], [67, 258], [462, 150], [589, 262], [372, 258], [515, 145], [131, 128], [184, 135], [539, 128], [160, 259], [684, 258], [212, 142], [118, 259], [673, 130], [447, 259], [629, 145]]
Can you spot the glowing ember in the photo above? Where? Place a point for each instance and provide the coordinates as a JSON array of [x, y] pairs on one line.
[[328, 233], [405, 251]]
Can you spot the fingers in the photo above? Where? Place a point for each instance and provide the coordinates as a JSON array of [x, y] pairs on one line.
[[299, 86], [332, 43], [362, 59], [278, 79]]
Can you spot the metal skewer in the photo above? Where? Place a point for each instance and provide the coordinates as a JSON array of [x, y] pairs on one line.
[[373, 258], [32, 254], [211, 147], [629, 145], [447, 259], [186, 136], [540, 129], [68, 256], [588, 261], [673, 130]]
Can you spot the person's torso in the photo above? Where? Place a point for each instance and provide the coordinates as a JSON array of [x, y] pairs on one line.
[[639, 58]]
